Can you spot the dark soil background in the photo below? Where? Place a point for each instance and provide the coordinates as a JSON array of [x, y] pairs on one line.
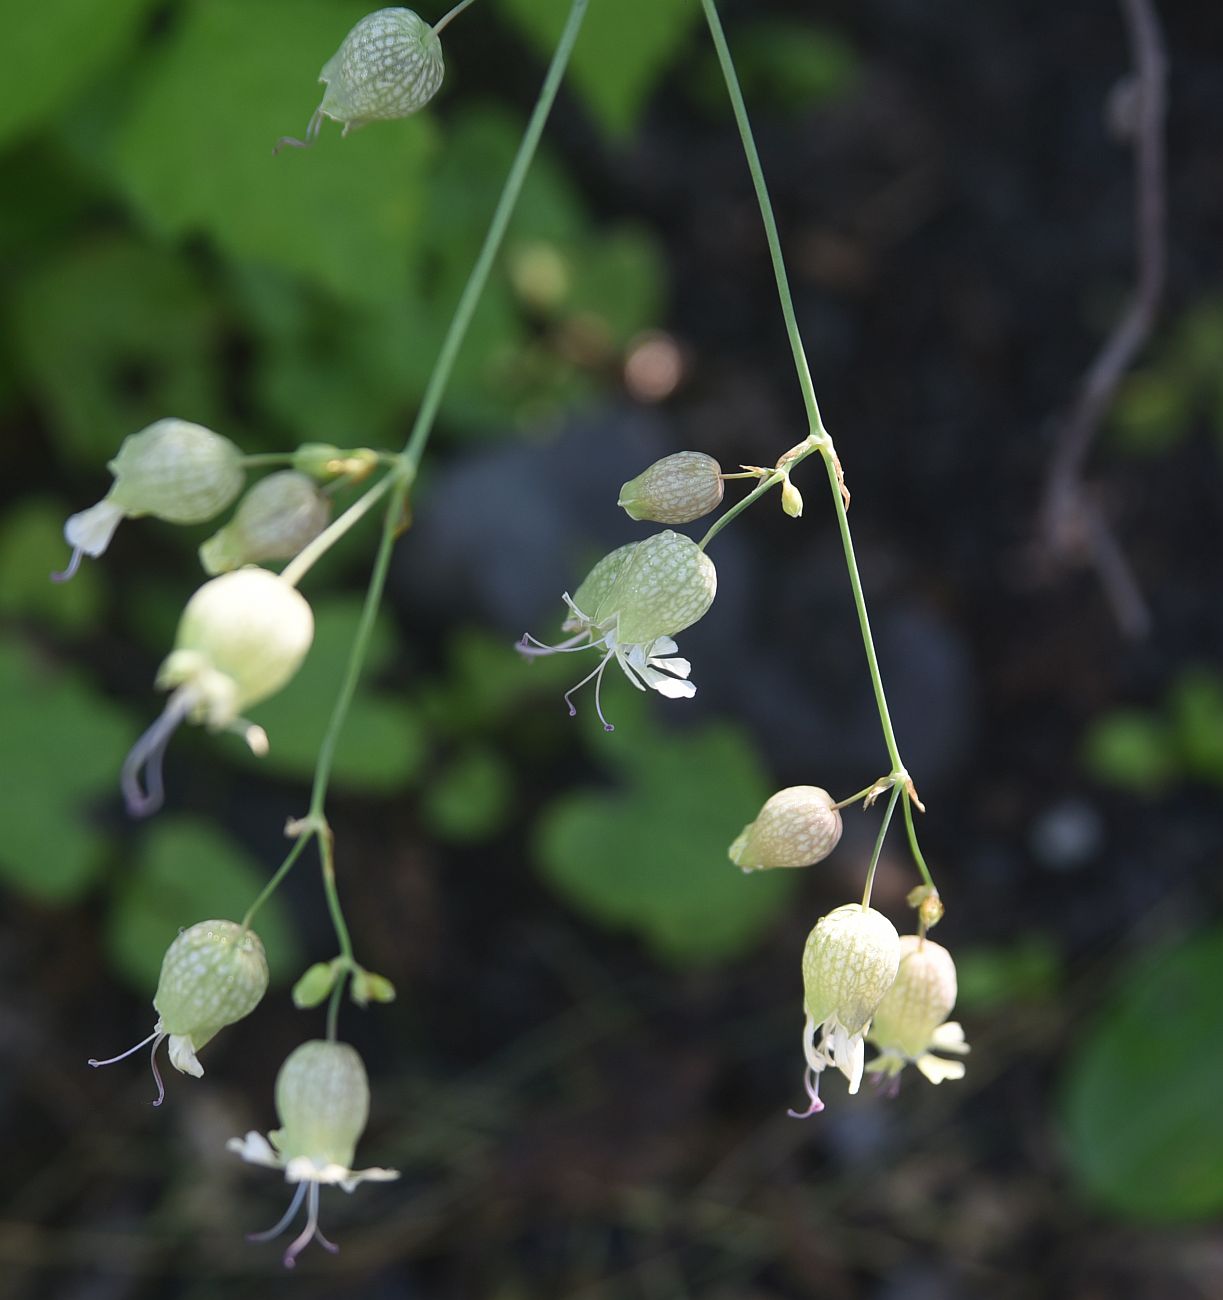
[[574, 1117]]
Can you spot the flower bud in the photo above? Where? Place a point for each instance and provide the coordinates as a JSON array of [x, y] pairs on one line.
[[674, 490], [849, 963], [173, 470], [797, 827], [242, 636], [274, 520], [212, 975], [389, 66], [791, 499], [240, 639], [322, 1099]]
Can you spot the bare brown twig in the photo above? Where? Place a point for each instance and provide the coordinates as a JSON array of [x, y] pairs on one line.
[[1073, 524]]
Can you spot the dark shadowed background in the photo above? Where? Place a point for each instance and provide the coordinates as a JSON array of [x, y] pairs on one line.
[[585, 1076]]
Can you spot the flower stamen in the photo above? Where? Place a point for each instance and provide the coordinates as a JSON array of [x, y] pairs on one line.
[[148, 753], [286, 1218]]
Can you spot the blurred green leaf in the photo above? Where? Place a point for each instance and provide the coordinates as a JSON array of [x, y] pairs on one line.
[[114, 335], [1132, 749], [651, 857], [1195, 704], [471, 797], [185, 871], [621, 54], [53, 50], [1026, 971], [382, 745], [1153, 412], [1140, 1104], [195, 153], [64, 744], [32, 547]]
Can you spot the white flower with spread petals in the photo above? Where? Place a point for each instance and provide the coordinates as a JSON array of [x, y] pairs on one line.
[[849, 963], [630, 606], [322, 1099], [911, 1023]]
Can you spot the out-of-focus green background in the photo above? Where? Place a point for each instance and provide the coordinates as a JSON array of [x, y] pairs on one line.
[[585, 1075]]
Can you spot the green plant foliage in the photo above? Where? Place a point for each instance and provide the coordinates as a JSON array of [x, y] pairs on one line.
[[471, 797], [113, 335], [651, 856], [1132, 749], [1140, 1104], [31, 547], [1195, 705], [382, 745], [53, 51], [621, 55], [184, 871], [195, 152], [1027, 971], [785, 65], [63, 740]]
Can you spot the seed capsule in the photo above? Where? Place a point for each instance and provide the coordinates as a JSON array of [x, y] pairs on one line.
[[274, 520], [849, 963], [797, 827], [389, 66], [674, 490]]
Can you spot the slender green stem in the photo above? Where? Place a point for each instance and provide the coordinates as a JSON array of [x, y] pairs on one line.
[[766, 213], [854, 798], [447, 18], [914, 847], [281, 872], [492, 240], [306, 558], [739, 507], [264, 460], [399, 480], [326, 849], [824, 443], [883, 830]]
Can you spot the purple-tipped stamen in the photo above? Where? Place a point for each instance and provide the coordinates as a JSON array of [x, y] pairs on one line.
[[598, 676], [292, 142], [888, 1085], [309, 1232], [811, 1082], [148, 753], [155, 1038], [73, 565]]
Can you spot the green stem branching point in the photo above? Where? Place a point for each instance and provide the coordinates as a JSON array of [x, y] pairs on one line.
[[883, 830], [395, 486], [819, 437]]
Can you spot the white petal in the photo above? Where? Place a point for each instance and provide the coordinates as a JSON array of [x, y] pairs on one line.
[[182, 1056], [679, 667], [669, 686], [92, 529], [256, 1150], [629, 671], [848, 1053], [374, 1175], [663, 645], [949, 1037], [936, 1069]]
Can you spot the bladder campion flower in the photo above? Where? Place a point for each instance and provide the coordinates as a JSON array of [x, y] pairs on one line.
[[212, 975], [242, 636], [389, 66], [674, 490], [274, 520], [849, 963], [179, 472], [797, 827], [322, 1100], [911, 1022], [630, 606]]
